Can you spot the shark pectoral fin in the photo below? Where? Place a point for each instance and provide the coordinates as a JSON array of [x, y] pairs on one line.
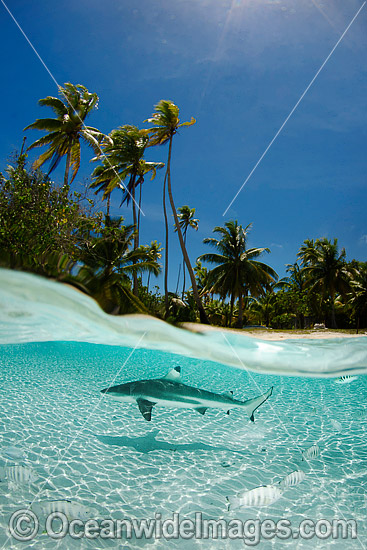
[[253, 404], [145, 407], [201, 410], [228, 394], [174, 375]]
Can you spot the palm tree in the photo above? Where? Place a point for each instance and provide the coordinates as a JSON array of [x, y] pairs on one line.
[[67, 129], [101, 184], [124, 160], [263, 306], [296, 279], [186, 217], [202, 281], [238, 273], [154, 251], [296, 282], [166, 124], [326, 269], [109, 262], [358, 295]]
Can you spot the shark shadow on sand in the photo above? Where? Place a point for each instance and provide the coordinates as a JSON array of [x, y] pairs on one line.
[[148, 443]]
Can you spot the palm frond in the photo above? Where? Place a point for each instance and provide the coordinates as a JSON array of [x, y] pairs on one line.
[[56, 104], [49, 124], [45, 140]]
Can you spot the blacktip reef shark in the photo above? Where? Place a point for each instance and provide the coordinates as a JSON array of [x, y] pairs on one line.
[[171, 392]]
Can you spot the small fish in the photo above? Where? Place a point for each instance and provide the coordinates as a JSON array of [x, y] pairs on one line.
[[311, 452], [260, 496], [293, 478], [72, 510], [336, 425], [13, 453], [20, 475], [345, 379]]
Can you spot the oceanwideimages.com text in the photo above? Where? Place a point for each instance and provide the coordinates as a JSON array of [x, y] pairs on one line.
[[24, 525]]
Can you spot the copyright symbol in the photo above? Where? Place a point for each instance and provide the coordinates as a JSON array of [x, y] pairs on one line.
[[23, 525]]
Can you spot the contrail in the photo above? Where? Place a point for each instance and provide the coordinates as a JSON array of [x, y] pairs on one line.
[[294, 108]]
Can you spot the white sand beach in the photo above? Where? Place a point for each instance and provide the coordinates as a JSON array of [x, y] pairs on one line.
[[270, 334]]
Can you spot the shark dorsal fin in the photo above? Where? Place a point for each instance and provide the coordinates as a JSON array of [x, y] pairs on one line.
[[174, 375]]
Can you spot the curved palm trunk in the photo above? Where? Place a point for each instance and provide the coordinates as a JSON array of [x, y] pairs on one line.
[[183, 269], [231, 310], [333, 319], [148, 281], [136, 237], [141, 184], [108, 204], [166, 303], [178, 278], [67, 167], [240, 311], [203, 316]]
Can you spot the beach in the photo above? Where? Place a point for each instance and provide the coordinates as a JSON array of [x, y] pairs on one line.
[[270, 334]]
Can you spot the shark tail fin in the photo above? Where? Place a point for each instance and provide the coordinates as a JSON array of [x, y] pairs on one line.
[[252, 404]]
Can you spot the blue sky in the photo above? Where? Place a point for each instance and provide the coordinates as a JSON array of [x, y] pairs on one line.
[[238, 67]]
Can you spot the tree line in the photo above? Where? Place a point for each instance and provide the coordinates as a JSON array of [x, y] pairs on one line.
[[56, 232]]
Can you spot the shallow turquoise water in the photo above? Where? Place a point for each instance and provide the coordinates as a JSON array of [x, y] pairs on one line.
[[103, 454]]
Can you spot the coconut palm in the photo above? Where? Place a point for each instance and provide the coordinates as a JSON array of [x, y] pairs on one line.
[[166, 123], [326, 270], [238, 273], [186, 217], [154, 251], [109, 262], [67, 129], [101, 183], [124, 161], [263, 306], [358, 295], [297, 283], [202, 281], [296, 279]]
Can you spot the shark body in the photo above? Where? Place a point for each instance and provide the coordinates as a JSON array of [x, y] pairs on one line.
[[171, 392]]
